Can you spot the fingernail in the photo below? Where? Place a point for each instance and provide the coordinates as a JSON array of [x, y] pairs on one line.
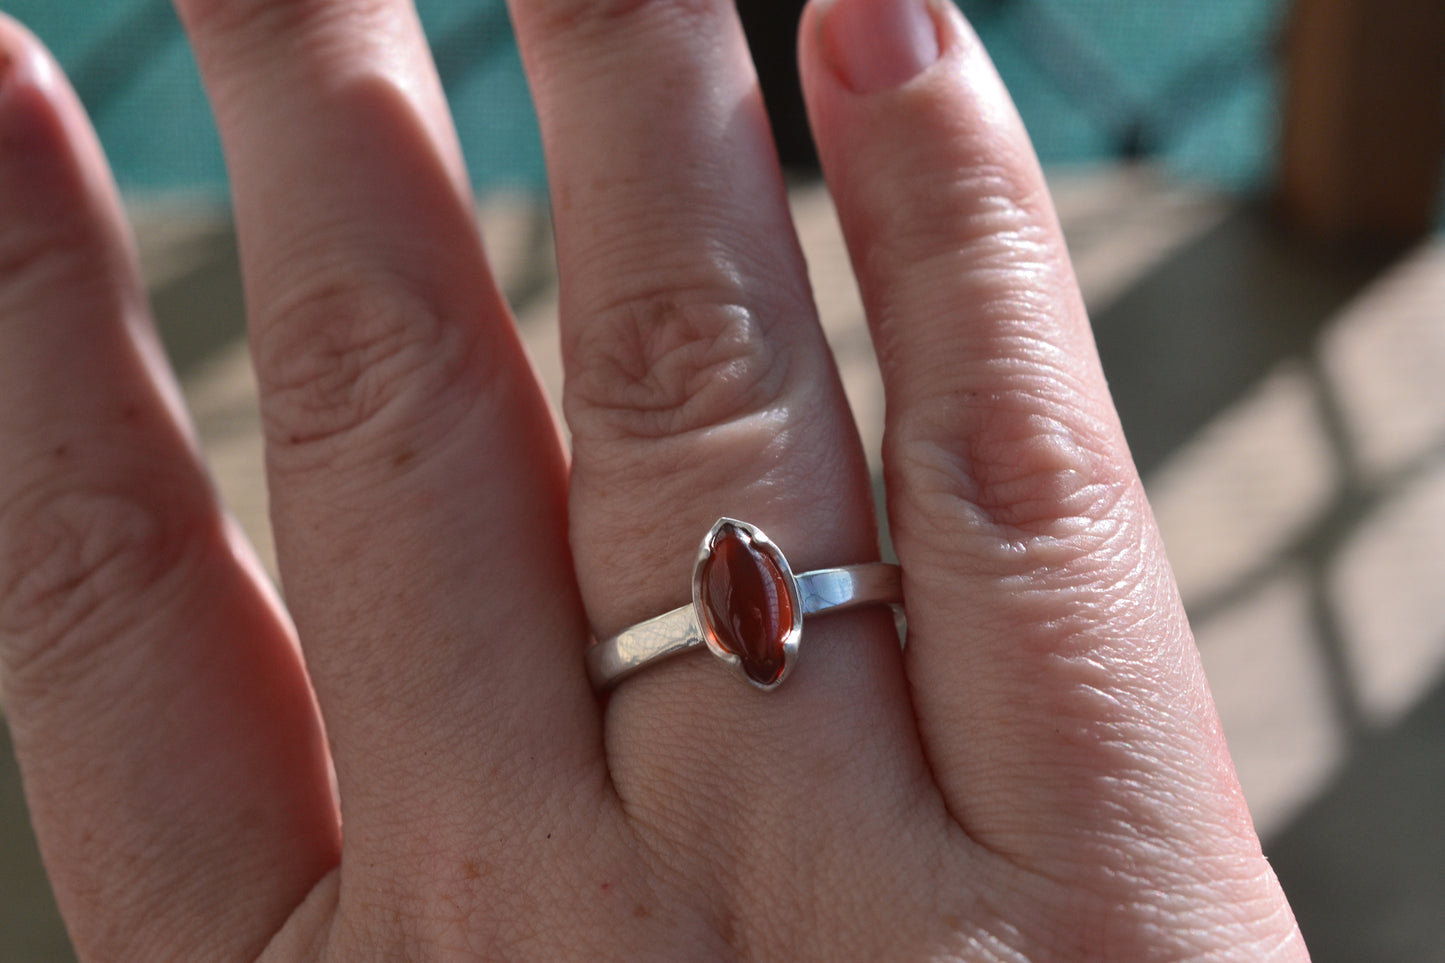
[[876, 45]]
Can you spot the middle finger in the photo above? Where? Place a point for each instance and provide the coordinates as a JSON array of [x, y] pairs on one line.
[[699, 385], [416, 475]]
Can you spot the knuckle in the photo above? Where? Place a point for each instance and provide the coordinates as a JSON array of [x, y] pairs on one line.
[[661, 367], [77, 565], [338, 360], [1025, 476]]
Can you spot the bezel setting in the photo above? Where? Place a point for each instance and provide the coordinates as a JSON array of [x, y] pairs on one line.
[[758, 540]]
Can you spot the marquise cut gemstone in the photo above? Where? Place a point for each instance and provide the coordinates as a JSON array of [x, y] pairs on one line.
[[746, 602]]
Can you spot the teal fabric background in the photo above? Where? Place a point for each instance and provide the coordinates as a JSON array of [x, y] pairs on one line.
[[1193, 84], [135, 73]]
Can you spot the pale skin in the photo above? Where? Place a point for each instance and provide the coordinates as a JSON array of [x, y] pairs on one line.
[[1039, 776]]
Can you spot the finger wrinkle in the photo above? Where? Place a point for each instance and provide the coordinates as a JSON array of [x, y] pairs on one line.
[[998, 215], [73, 562], [710, 251], [1004, 367], [985, 316], [665, 366], [240, 28], [340, 362], [1101, 599], [1023, 463], [582, 20]]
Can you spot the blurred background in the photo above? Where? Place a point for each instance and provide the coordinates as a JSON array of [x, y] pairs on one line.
[[1252, 194]]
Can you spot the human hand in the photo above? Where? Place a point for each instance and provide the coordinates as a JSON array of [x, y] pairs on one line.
[[1040, 775]]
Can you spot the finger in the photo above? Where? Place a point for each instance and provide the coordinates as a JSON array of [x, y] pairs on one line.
[[1055, 680], [698, 386], [417, 475], [173, 759]]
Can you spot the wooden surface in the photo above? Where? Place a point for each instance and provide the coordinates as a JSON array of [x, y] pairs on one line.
[[1364, 130]]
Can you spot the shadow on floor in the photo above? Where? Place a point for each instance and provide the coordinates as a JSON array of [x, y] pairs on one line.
[[30, 927], [201, 311], [1206, 324], [1364, 864]]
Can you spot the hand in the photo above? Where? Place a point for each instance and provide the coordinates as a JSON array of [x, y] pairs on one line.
[[1039, 775]]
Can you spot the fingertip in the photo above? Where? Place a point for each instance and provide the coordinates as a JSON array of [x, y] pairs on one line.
[[13, 38], [25, 64], [52, 166], [34, 98]]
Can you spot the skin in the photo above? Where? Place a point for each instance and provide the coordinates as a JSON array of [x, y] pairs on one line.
[[1040, 775]]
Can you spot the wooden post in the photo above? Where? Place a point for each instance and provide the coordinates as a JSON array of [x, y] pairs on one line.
[[1364, 123]]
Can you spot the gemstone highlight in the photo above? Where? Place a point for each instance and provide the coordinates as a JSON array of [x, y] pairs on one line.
[[745, 600]]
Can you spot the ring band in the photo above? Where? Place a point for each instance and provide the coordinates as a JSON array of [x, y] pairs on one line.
[[747, 609]]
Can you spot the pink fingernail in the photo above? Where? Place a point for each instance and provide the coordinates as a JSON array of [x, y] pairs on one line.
[[876, 45]]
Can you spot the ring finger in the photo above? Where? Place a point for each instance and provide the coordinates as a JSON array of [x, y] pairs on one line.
[[699, 385]]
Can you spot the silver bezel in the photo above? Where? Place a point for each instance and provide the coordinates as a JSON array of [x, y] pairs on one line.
[[795, 631]]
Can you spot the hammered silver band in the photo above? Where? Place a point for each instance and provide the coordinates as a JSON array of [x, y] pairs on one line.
[[823, 590]]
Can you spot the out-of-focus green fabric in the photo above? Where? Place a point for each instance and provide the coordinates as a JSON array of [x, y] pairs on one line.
[[1191, 83], [135, 73]]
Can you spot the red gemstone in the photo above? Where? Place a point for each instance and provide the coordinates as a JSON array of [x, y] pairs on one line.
[[746, 602]]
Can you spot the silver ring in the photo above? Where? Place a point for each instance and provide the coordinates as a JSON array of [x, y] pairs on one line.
[[747, 609]]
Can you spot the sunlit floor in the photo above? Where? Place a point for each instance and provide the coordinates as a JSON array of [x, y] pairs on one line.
[[1287, 411]]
